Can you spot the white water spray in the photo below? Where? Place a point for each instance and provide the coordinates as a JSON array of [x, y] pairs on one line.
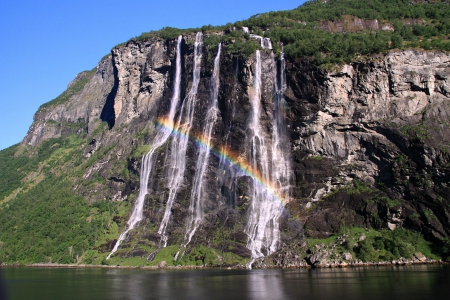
[[281, 168], [262, 226], [179, 141], [195, 206], [265, 210], [147, 160], [265, 42]]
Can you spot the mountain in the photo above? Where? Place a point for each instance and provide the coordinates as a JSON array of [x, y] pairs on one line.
[[314, 136]]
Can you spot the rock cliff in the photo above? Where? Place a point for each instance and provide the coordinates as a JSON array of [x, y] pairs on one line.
[[368, 143], [86, 103], [382, 122]]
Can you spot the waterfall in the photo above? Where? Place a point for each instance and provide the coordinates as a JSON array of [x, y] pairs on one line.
[[268, 157], [147, 160], [262, 229], [226, 175], [265, 42], [280, 143], [179, 141], [265, 209], [195, 206]]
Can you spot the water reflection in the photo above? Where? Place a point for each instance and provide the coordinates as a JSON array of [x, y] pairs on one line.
[[412, 282], [265, 284], [2, 287]]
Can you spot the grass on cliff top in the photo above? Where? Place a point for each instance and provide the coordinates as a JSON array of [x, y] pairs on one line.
[[421, 25]]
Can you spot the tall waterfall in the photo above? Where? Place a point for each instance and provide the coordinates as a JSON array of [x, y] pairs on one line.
[[261, 228], [265, 210], [281, 168], [226, 176], [268, 157], [179, 141], [195, 206], [147, 160]]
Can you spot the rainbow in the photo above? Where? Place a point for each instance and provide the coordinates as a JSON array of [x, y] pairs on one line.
[[230, 157]]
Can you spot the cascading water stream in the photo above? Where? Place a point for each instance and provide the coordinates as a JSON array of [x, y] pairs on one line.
[[265, 42], [270, 158], [280, 144], [179, 141], [195, 207], [147, 160], [226, 176], [266, 209], [262, 226]]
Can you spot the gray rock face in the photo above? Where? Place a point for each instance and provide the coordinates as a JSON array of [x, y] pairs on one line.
[[419, 256], [370, 121], [84, 107], [355, 24], [351, 101], [143, 71], [384, 121]]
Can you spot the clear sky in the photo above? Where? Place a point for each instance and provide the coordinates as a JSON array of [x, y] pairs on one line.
[[45, 43]]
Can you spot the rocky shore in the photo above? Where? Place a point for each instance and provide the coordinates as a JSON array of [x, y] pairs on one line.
[[256, 265]]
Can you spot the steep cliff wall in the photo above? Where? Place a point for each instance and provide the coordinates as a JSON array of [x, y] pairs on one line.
[[84, 103], [381, 123]]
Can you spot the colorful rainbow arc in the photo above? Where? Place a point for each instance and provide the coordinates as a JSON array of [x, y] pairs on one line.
[[230, 157]]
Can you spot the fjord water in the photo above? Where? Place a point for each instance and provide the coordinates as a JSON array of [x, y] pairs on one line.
[[408, 282]]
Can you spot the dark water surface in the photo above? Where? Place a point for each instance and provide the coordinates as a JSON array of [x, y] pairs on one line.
[[409, 282]]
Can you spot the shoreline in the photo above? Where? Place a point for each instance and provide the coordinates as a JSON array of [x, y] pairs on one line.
[[238, 267]]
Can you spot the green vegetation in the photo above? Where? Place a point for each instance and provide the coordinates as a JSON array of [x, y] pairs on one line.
[[318, 157], [43, 219], [201, 256], [417, 132], [373, 194], [49, 224], [390, 245], [212, 41], [240, 43], [12, 170], [332, 47], [47, 219], [408, 25], [371, 245], [359, 187], [165, 33]]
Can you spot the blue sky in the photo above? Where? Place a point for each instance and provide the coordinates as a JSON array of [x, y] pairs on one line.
[[46, 43]]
